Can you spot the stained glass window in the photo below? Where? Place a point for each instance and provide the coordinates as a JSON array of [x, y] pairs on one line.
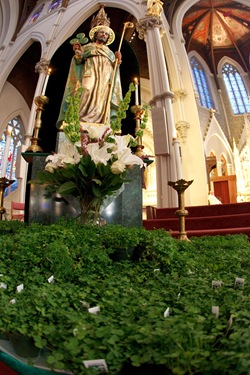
[[55, 4], [36, 14], [201, 83], [10, 142], [236, 89]]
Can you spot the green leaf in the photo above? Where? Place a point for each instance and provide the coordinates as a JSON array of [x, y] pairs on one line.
[[97, 191], [67, 188]]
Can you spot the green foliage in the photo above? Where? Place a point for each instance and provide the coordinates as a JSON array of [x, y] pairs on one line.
[[121, 111], [71, 128], [144, 121], [132, 295], [80, 38]]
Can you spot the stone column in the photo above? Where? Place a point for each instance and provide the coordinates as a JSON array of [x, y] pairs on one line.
[[167, 151]]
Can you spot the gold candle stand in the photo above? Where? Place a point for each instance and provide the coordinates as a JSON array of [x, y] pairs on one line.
[[138, 111], [4, 183], [180, 186], [40, 101]]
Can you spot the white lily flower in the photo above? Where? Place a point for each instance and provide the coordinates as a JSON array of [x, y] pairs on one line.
[[55, 159], [78, 144], [96, 132], [50, 167], [99, 154], [68, 154], [118, 167], [122, 142], [130, 159]]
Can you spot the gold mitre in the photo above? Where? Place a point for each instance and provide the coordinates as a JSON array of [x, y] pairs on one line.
[[101, 21]]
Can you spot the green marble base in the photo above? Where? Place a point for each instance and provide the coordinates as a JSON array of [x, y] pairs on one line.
[[125, 210]]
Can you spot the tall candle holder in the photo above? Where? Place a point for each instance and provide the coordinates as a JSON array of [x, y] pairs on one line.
[[138, 111], [40, 101], [180, 186], [4, 183]]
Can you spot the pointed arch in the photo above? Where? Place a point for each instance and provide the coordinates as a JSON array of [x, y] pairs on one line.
[[9, 10], [233, 77]]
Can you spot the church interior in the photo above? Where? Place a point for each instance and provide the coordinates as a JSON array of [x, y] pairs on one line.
[[126, 297]]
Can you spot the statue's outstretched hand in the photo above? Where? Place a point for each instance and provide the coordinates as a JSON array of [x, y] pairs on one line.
[[118, 56], [77, 48]]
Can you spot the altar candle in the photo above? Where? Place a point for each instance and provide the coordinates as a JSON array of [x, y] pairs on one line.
[[45, 83], [136, 92]]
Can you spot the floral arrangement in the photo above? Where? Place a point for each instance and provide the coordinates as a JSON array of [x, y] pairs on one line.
[[91, 164]]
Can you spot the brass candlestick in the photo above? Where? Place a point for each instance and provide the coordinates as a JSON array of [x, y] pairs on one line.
[[4, 183], [40, 101], [138, 111], [180, 186]]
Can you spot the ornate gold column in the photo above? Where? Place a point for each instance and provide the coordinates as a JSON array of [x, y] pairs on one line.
[[40, 101]]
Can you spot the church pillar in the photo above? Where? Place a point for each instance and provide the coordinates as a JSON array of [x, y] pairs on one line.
[[167, 150]]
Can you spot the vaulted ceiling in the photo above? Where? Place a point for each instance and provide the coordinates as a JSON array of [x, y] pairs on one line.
[[213, 28]]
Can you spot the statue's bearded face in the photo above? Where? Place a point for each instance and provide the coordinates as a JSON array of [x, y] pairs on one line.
[[102, 36]]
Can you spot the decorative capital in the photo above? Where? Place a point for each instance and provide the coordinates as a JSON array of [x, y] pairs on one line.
[[154, 7], [180, 94], [42, 66], [149, 23], [182, 128]]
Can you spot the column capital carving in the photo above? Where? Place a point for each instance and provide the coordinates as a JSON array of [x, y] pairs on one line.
[[180, 94], [149, 23], [182, 129], [42, 66]]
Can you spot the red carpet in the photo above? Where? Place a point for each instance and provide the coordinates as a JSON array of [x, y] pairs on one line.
[[211, 220]]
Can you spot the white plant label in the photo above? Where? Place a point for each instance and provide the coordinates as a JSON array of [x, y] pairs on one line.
[[19, 288], [51, 279], [99, 363]]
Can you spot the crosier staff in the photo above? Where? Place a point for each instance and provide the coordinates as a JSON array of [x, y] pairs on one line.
[[127, 25]]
